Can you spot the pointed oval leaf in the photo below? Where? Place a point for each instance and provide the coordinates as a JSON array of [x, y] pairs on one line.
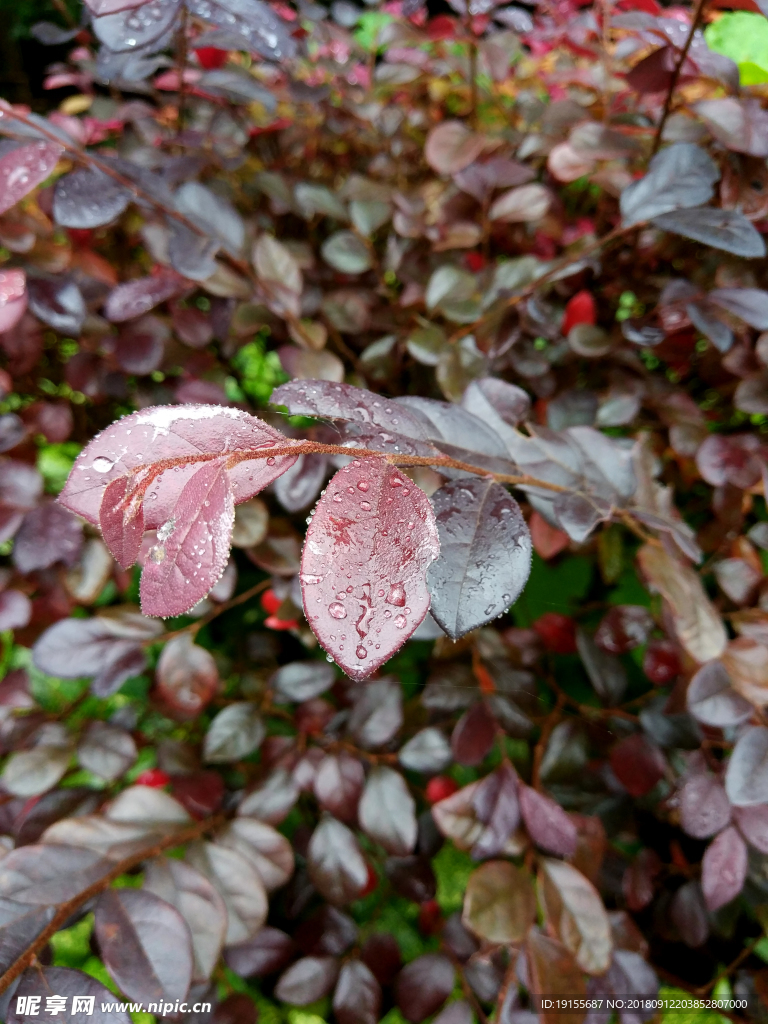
[[712, 699], [308, 980], [135, 29], [88, 198], [339, 783], [723, 869], [269, 851], [41, 982], [428, 751], [357, 999], [576, 911], [346, 252], [704, 806], [387, 811], [303, 680], [547, 823], [336, 865], [746, 778], [190, 892], [235, 732], [368, 546], [722, 229], [43, 875], [423, 985], [679, 176], [24, 168], [238, 883], [145, 945], [451, 147], [137, 297], [485, 555]]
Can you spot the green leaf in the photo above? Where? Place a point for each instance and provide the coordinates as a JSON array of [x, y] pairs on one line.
[[54, 462], [453, 869], [560, 587], [742, 36]]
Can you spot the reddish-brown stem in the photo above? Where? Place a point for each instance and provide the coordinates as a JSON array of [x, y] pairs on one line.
[[697, 16], [66, 910]]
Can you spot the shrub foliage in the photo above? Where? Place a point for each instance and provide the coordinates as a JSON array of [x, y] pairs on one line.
[[479, 293]]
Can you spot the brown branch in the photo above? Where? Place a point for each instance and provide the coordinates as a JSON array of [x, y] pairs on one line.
[[697, 16], [546, 731], [66, 910], [194, 627]]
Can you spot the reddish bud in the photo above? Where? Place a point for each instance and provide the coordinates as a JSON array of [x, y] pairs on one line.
[[270, 602], [370, 885], [661, 662], [579, 310], [272, 622], [558, 632], [442, 27], [156, 778], [80, 236], [430, 917], [474, 261], [210, 57], [440, 788]]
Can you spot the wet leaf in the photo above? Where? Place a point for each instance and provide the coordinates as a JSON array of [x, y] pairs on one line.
[[338, 785], [428, 751], [187, 677], [63, 981], [238, 883], [722, 229], [377, 714], [423, 986], [266, 849], [106, 750], [474, 735], [451, 147], [723, 869], [712, 699], [547, 823], [308, 980], [357, 999], [746, 778], [485, 555], [235, 733], [24, 168], [373, 531], [704, 806], [88, 198]]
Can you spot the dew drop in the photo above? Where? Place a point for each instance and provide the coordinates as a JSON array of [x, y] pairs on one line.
[[365, 506], [361, 653], [328, 657], [400, 621], [363, 485], [337, 496], [271, 462], [102, 464], [157, 554], [406, 491], [387, 613], [396, 595], [350, 490], [337, 610], [395, 482]]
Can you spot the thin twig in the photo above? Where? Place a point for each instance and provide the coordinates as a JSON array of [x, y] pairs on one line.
[[697, 16], [66, 910], [194, 627]]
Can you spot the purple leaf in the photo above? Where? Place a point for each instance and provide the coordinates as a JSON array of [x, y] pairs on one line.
[[108, 648], [423, 986], [24, 168], [357, 999], [723, 869], [62, 981], [15, 610], [336, 865], [140, 345], [252, 23], [303, 680], [333, 401], [496, 805], [122, 522], [267, 952], [387, 811], [42, 875], [136, 29], [748, 304], [679, 176], [192, 548], [411, 877], [753, 825], [187, 677], [377, 714], [728, 230], [547, 823], [300, 484], [704, 806], [145, 944], [307, 980], [58, 302], [474, 734], [171, 432], [485, 556], [746, 778], [368, 546], [338, 785], [49, 534], [139, 296], [101, 7], [88, 198]]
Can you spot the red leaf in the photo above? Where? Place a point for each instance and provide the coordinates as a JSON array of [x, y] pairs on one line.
[[579, 310], [133, 298], [171, 432], [24, 168], [723, 869], [638, 764], [473, 735], [547, 823], [121, 526], [363, 570], [193, 546]]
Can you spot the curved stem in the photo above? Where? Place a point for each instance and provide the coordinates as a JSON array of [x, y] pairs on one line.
[[697, 16], [66, 910]]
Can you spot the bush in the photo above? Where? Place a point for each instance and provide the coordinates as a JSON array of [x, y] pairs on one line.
[[434, 751]]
